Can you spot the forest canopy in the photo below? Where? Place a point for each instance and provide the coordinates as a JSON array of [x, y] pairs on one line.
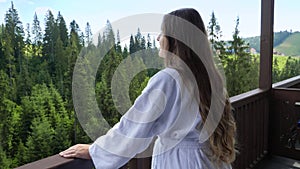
[[37, 117]]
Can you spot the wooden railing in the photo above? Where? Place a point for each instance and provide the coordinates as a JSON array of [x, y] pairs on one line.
[[285, 119], [58, 162], [251, 111], [251, 114]]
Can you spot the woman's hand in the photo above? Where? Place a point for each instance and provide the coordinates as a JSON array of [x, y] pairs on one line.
[[77, 151]]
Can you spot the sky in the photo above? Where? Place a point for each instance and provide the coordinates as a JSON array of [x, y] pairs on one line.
[[97, 12]]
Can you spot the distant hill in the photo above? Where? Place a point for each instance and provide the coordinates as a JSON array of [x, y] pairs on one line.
[[285, 42], [290, 46]]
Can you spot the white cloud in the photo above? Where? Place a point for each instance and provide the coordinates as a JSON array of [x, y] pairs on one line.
[[3, 1]]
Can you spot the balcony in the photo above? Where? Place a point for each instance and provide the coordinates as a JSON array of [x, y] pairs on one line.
[[265, 123], [268, 127]]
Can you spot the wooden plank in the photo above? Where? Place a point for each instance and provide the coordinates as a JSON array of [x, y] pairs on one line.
[[57, 162], [294, 81], [266, 44]]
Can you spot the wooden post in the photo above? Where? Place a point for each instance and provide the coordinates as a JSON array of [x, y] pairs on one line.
[[266, 44]]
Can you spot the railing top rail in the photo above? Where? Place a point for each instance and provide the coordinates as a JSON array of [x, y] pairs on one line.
[[247, 95], [56, 161], [287, 83]]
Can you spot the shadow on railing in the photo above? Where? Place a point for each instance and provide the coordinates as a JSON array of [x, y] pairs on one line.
[[251, 111]]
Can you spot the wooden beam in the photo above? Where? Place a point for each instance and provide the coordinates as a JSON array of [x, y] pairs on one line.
[[58, 162], [266, 44]]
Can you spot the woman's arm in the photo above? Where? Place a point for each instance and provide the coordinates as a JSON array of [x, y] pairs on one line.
[[77, 151], [147, 118]]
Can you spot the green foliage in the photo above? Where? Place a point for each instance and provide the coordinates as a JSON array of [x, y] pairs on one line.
[[214, 35], [285, 67], [40, 139], [103, 89], [132, 45], [241, 68], [37, 116], [47, 121], [88, 34], [10, 128], [37, 36], [63, 31], [275, 71], [20, 156], [14, 34], [5, 162]]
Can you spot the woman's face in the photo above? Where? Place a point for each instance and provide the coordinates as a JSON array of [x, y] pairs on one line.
[[164, 45]]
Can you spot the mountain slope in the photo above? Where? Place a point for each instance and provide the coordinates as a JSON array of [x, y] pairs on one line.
[[290, 46], [279, 37]]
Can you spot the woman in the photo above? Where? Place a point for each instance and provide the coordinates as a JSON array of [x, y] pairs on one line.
[[184, 105]]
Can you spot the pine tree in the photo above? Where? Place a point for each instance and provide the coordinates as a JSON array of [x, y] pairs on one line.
[[125, 52], [62, 122], [75, 35], [118, 45], [47, 108], [41, 133], [99, 41], [110, 36], [14, 32], [72, 51], [132, 46], [61, 66], [37, 36], [49, 40], [286, 72], [239, 66], [2, 57], [88, 34], [214, 29], [13, 46], [10, 68], [143, 43], [138, 40], [10, 128], [23, 79], [5, 87], [238, 46], [149, 44], [82, 39], [215, 35], [294, 68], [63, 31], [28, 47], [275, 71]]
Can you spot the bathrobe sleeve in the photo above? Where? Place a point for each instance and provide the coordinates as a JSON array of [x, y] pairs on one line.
[[152, 113]]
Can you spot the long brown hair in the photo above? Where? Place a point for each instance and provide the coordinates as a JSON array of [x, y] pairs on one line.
[[222, 140]]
